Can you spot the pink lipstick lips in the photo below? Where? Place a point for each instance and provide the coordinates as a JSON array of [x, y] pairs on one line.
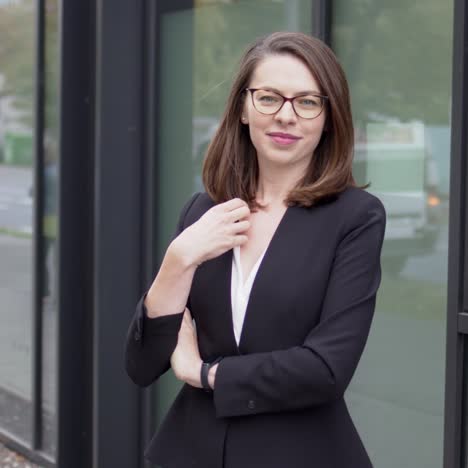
[[283, 138]]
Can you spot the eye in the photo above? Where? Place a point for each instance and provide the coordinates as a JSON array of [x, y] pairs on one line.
[[267, 98], [309, 101]]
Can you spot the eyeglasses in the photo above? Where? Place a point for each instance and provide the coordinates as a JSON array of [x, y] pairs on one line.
[[268, 102]]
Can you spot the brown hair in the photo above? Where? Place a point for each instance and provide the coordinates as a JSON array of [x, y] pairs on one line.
[[230, 168]]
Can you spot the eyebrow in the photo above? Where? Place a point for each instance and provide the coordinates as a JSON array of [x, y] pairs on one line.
[[299, 93]]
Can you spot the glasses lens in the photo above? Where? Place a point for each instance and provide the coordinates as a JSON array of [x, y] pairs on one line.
[[308, 106], [266, 102]]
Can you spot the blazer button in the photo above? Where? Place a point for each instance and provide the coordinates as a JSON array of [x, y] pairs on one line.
[[251, 404], [137, 335]]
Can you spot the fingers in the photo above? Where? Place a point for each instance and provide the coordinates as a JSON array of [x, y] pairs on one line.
[[240, 240], [233, 204], [229, 224], [238, 214], [240, 226]]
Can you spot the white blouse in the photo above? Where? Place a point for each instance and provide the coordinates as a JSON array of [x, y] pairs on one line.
[[240, 290]]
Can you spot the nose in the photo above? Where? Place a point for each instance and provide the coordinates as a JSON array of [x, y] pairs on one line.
[[286, 114]]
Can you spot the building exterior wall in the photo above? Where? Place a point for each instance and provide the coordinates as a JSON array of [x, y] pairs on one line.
[[106, 111]]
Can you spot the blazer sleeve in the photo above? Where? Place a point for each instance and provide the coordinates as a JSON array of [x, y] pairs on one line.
[[318, 371], [151, 341]]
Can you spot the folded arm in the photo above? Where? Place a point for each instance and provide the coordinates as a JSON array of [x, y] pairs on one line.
[[151, 341]]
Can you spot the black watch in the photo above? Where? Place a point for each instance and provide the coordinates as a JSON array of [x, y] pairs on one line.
[[205, 368]]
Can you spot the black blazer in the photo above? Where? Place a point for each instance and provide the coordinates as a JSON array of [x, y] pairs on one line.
[[278, 398]]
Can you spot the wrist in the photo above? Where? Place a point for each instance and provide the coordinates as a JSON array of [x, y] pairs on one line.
[[178, 254], [212, 376], [192, 376], [208, 374]]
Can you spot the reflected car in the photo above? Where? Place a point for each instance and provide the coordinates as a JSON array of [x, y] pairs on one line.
[[394, 158]]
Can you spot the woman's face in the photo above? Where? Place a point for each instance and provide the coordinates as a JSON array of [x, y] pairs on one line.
[[284, 138]]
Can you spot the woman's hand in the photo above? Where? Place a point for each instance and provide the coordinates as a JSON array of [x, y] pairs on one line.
[[220, 229], [185, 360]]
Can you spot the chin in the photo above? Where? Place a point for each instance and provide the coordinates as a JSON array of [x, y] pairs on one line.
[[279, 158]]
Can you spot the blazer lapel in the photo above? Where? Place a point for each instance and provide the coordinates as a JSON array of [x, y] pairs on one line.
[[225, 311], [211, 290], [272, 267]]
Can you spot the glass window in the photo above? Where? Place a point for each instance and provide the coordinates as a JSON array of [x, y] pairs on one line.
[[49, 229], [200, 50], [17, 61], [397, 56]]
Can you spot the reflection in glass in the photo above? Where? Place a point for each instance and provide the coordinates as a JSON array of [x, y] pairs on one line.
[[49, 230], [17, 25], [199, 78], [397, 56], [17, 61]]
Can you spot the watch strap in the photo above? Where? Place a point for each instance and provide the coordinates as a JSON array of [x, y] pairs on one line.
[[205, 368]]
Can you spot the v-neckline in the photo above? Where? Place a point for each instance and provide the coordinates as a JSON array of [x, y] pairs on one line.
[[264, 257], [237, 258]]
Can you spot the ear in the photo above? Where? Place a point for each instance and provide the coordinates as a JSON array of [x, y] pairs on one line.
[[244, 120]]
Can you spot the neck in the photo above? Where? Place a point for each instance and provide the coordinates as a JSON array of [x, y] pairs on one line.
[[274, 183]]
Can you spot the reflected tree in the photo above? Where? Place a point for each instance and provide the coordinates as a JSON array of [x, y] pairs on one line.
[[398, 57]]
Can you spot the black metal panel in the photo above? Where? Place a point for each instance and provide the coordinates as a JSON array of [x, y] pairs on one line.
[[321, 19], [38, 250], [463, 323], [118, 221], [456, 256], [464, 410], [171, 6], [460, 113], [150, 86], [75, 239]]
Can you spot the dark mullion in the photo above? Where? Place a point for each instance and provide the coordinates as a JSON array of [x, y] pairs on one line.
[[463, 323], [117, 229], [464, 387], [38, 255], [75, 228], [459, 111], [150, 106], [321, 19], [456, 256]]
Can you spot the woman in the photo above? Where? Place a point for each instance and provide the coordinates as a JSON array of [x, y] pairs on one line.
[[278, 263]]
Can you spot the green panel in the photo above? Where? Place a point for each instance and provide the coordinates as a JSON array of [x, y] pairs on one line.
[[18, 149]]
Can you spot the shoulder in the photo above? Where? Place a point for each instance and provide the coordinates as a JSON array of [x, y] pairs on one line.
[[355, 201], [201, 202], [354, 208], [195, 207], [361, 210]]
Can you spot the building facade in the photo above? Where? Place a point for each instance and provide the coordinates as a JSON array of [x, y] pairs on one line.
[[106, 110]]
